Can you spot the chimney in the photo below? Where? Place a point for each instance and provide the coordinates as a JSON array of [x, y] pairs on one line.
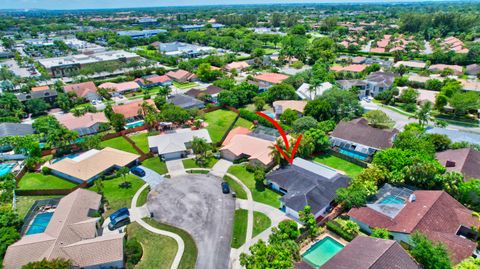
[[450, 163]]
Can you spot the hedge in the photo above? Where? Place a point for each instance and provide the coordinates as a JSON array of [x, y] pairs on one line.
[[334, 227], [251, 116]]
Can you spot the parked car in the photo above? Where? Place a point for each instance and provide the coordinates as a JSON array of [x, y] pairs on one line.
[[225, 187], [138, 171], [119, 222], [121, 212]]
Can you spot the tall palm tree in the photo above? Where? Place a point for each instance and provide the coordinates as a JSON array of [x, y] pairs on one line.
[[424, 113]]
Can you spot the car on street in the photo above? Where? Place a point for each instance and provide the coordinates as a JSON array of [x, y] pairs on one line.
[[225, 187]]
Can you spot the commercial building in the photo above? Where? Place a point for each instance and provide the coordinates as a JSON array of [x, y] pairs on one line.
[[136, 34]]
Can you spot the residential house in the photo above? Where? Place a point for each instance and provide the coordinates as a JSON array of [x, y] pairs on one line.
[[270, 79], [434, 213], [181, 76], [71, 234], [282, 105], [211, 91], [238, 66], [465, 161], [87, 124], [185, 101], [307, 92], [122, 87], [90, 165], [353, 68], [378, 82], [240, 143], [43, 92], [176, 145], [132, 111], [365, 252], [305, 183], [359, 140], [457, 69], [15, 129], [472, 69], [411, 64], [154, 81], [86, 90], [347, 84]]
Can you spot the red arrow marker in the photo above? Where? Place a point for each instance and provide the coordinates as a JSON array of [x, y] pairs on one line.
[[285, 139]]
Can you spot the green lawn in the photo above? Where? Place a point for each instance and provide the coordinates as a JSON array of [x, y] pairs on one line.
[[240, 223], [142, 199], [261, 222], [351, 169], [38, 181], [156, 165], [218, 123], [119, 143], [158, 250], [190, 254], [141, 141], [184, 85], [241, 122], [116, 196], [25, 202], [263, 195], [191, 163], [237, 188]]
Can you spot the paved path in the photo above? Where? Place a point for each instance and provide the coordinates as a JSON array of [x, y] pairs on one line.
[[151, 177], [221, 168], [175, 168], [138, 219], [248, 205]]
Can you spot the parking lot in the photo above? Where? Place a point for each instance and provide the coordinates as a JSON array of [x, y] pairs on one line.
[[195, 203]]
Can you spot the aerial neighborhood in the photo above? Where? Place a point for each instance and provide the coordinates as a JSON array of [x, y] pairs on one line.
[[234, 135]]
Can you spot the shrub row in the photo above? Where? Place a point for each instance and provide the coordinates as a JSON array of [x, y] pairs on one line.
[[334, 227]]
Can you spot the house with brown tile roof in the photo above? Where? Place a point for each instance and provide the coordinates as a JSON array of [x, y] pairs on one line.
[[87, 124], [239, 66], [40, 88], [242, 145], [181, 75], [90, 165], [457, 69], [434, 213], [154, 80], [465, 161], [356, 136], [70, 234], [371, 253], [353, 68], [131, 111], [86, 90]]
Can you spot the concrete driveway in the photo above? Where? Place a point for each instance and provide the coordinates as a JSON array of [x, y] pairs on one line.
[[151, 177], [195, 203]]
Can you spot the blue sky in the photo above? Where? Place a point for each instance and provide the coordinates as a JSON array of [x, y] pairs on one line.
[[81, 4]]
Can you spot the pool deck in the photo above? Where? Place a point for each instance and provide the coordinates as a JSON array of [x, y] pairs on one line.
[[342, 241]]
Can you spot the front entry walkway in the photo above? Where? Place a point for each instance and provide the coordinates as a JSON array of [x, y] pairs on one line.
[[175, 168], [221, 168]]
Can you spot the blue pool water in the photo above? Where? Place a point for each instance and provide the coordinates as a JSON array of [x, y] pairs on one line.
[[40, 223], [5, 168], [354, 154], [134, 124], [322, 251], [70, 156], [270, 114], [392, 200]]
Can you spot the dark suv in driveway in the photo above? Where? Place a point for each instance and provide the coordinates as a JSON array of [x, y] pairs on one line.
[[138, 171], [225, 187]]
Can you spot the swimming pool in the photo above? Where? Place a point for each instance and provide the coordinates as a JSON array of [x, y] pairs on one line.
[[270, 114], [134, 124], [40, 223], [322, 251], [70, 156], [390, 199], [5, 168], [354, 154]]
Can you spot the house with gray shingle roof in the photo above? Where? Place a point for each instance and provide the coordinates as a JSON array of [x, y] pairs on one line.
[[185, 101], [15, 129], [371, 253], [306, 183]]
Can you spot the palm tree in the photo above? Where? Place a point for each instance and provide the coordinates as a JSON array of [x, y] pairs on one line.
[[423, 113], [149, 113], [123, 172]]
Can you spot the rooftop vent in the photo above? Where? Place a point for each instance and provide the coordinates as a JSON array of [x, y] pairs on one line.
[[450, 163]]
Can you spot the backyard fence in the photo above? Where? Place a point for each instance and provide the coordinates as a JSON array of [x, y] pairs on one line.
[[49, 191], [348, 158]]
